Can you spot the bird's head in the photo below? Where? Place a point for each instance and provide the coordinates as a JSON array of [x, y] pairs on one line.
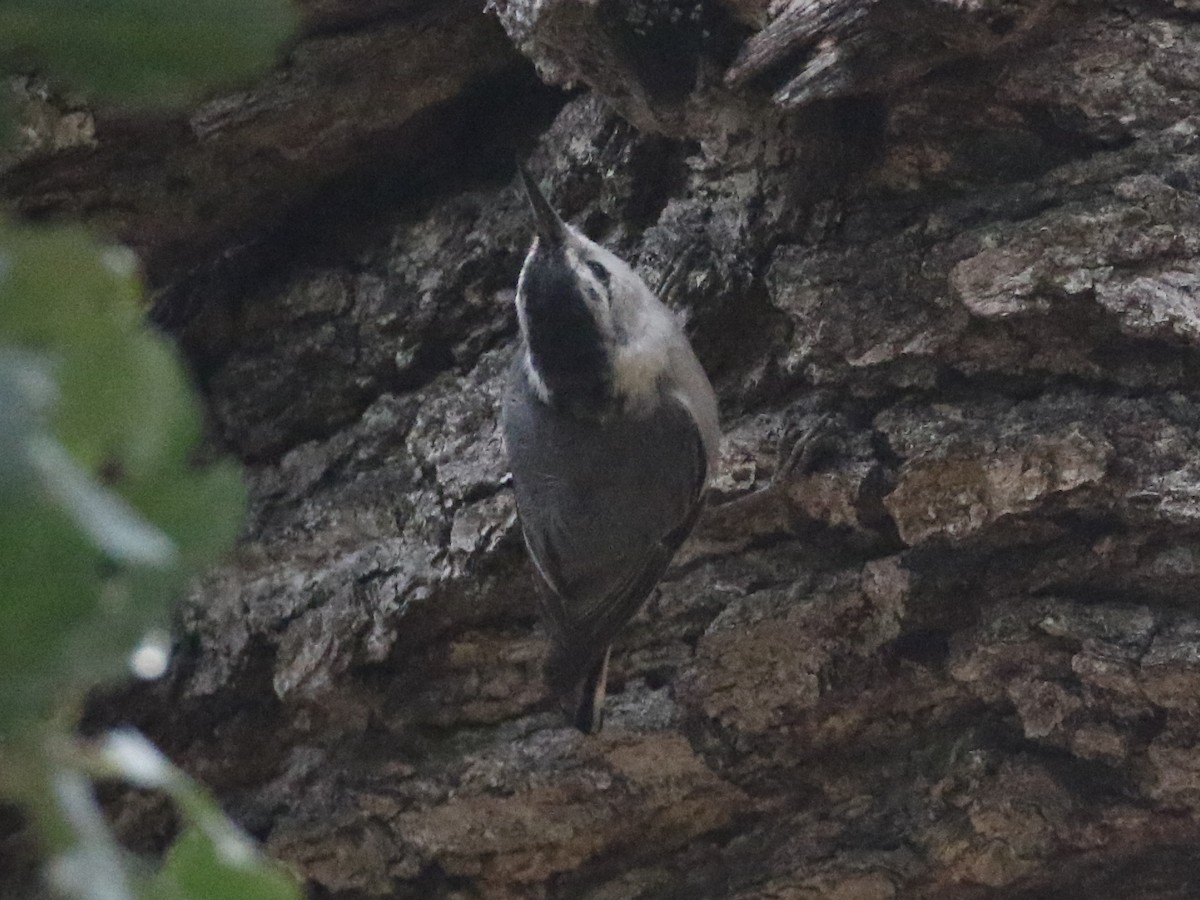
[[579, 306]]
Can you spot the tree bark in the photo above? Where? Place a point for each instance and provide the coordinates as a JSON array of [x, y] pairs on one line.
[[957, 657]]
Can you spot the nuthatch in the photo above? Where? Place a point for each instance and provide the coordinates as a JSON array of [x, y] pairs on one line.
[[611, 430]]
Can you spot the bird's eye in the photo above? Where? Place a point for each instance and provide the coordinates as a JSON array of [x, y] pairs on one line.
[[599, 271]]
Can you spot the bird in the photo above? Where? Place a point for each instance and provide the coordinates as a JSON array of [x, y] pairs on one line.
[[611, 429]]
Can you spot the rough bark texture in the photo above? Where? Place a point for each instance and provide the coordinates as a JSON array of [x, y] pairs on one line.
[[959, 659]]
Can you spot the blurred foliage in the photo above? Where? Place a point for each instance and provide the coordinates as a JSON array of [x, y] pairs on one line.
[[105, 509], [143, 51], [102, 512]]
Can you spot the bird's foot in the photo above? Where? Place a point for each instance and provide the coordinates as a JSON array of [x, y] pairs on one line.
[[768, 510], [803, 451]]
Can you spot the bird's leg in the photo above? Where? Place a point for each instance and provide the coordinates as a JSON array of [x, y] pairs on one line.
[[803, 453], [769, 509], [796, 458], [672, 272]]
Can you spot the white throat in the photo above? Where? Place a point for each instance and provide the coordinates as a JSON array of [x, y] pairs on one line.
[[640, 364]]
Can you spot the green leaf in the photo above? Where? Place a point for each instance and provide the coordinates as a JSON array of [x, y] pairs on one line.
[[104, 512], [48, 585], [104, 515], [26, 390], [197, 868], [108, 521], [144, 51], [93, 866], [76, 301]]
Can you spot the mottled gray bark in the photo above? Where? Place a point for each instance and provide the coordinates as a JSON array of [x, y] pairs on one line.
[[958, 658]]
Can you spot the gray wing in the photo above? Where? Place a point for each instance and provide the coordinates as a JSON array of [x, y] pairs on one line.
[[603, 507], [588, 610]]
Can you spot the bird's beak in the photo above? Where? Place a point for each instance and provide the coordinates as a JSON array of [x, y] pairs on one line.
[[550, 228]]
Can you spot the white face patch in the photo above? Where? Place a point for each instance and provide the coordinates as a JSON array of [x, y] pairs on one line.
[[639, 331], [640, 364], [535, 379], [522, 317]]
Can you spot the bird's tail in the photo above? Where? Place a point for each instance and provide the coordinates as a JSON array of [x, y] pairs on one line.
[[580, 687]]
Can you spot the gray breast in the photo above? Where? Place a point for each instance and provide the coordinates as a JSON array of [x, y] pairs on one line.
[[595, 494]]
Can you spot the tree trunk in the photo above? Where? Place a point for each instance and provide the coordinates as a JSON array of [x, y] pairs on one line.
[[959, 657]]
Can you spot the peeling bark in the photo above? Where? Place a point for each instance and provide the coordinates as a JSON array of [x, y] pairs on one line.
[[958, 658]]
